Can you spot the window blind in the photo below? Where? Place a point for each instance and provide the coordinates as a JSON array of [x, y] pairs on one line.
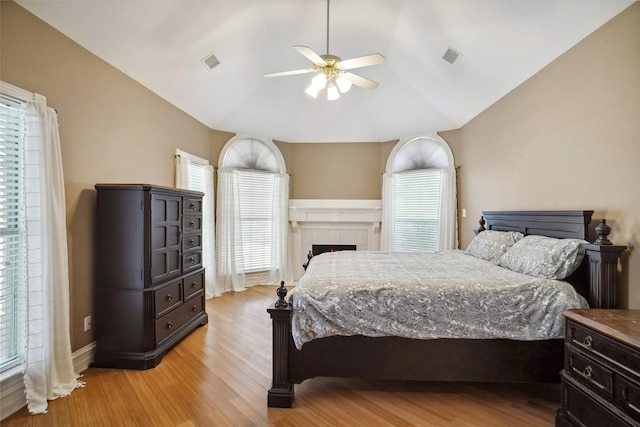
[[417, 209], [12, 233], [255, 199], [197, 176]]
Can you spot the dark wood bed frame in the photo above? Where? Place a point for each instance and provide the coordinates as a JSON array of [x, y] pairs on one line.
[[495, 360]]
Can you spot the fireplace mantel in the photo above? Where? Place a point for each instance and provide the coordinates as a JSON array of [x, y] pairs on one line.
[[336, 221], [334, 210]]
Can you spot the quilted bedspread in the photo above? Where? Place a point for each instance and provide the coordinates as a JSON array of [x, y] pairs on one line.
[[425, 295]]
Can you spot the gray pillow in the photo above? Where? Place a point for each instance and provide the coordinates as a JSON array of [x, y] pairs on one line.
[[490, 245], [544, 257]]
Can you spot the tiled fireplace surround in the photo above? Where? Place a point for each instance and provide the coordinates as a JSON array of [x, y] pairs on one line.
[[332, 221]]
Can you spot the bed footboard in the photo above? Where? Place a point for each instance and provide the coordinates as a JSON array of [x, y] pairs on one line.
[[280, 394]]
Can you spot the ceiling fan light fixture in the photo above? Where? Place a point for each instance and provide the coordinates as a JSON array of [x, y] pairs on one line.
[[334, 74], [319, 81], [312, 91], [332, 92], [344, 84]]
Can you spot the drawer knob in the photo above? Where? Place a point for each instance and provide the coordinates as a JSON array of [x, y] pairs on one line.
[[192, 207], [169, 297], [588, 371], [169, 325], [192, 224], [192, 260], [193, 242], [588, 341], [194, 308], [194, 285]]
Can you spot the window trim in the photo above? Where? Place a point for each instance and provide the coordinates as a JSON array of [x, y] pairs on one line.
[[193, 158]]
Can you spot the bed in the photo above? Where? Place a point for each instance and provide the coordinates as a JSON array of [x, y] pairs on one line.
[[304, 347]]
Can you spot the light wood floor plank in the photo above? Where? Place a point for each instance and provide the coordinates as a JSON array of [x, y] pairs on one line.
[[219, 376]]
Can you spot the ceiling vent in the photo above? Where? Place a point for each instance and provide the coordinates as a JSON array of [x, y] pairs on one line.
[[211, 61], [451, 55]]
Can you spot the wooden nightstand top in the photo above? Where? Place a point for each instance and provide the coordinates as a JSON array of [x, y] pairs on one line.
[[622, 325]]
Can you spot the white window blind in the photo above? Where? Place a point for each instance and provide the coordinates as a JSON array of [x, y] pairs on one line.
[[12, 233], [255, 199], [197, 177], [417, 207]]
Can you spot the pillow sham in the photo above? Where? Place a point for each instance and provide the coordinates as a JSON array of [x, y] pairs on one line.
[[490, 245], [545, 257]]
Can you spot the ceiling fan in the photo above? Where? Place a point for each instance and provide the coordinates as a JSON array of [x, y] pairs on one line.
[[332, 71]]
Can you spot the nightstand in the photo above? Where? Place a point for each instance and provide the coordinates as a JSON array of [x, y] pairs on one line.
[[601, 375]]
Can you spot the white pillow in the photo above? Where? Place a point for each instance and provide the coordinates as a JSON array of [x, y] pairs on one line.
[[490, 245], [544, 257]]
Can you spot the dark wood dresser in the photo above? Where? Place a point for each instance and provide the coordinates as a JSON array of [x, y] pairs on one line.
[[148, 272], [601, 375]]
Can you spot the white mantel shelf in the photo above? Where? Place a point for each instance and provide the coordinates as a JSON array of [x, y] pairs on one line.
[[332, 221], [335, 210]]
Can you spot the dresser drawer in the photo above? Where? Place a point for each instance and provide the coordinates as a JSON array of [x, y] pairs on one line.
[[192, 206], [581, 408], [192, 224], [191, 243], [599, 378], [594, 343], [627, 396], [191, 261], [193, 284], [167, 298], [172, 321]]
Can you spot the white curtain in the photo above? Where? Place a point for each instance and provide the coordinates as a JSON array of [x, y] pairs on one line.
[[182, 171], [183, 163], [281, 269], [49, 371], [448, 216], [387, 232], [229, 236], [231, 263], [209, 234]]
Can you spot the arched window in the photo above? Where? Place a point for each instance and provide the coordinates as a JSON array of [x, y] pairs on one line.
[[419, 196], [253, 197]]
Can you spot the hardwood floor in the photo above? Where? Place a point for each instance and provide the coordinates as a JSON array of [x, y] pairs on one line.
[[219, 376]]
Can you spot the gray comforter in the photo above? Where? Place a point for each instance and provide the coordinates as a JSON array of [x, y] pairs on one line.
[[425, 295]]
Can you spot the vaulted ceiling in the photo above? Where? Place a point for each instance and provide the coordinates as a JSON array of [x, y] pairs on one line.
[[161, 44]]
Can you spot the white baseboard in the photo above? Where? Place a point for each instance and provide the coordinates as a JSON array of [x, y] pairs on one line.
[[84, 357], [12, 393]]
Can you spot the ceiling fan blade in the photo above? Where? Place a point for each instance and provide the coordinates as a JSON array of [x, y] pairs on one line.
[[310, 55], [360, 81], [290, 73], [362, 61]]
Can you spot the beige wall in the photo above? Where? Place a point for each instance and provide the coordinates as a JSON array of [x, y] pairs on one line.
[[568, 138], [322, 171], [112, 129]]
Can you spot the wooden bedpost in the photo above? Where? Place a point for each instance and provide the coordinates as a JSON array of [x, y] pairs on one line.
[[280, 394], [480, 229], [603, 268]]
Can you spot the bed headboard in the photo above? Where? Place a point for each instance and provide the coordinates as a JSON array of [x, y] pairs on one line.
[[596, 279], [559, 224]]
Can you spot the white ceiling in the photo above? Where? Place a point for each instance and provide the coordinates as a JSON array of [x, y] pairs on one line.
[[160, 43]]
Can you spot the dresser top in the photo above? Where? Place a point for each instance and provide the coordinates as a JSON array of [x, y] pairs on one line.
[[144, 187], [622, 325]]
